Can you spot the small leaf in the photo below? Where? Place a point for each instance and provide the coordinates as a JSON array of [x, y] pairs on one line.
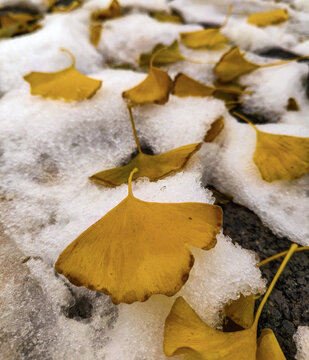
[[140, 248], [215, 129], [273, 17], [292, 105], [154, 89], [112, 11], [12, 24], [68, 84], [241, 311], [95, 33], [168, 55], [154, 167], [66, 7], [232, 65], [268, 347], [164, 17]]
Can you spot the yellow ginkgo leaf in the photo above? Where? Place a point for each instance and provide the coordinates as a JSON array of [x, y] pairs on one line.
[[112, 11], [207, 38], [18, 23], [280, 157], [234, 64], [164, 17], [140, 248], [241, 311], [215, 129], [186, 334], [268, 347], [273, 17], [154, 89], [95, 33], [169, 55], [69, 6], [68, 84], [154, 167]]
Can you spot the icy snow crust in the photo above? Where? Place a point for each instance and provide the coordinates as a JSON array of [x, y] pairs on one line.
[[49, 148]]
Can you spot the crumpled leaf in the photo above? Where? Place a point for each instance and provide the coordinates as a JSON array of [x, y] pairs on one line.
[[207, 38], [169, 55], [140, 248], [164, 17], [232, 65], [154, 167], [154, 89], [186, 334], [268, 347], [241, 311], [273, 17], [18, 23], [215, 129], [280, 157], [112, 11], [59, 6], [95, 33], [67, 84]]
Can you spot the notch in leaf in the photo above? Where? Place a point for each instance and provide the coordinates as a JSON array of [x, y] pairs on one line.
[[280, 157], [154, 167], [140, 248], [233, 64], [155, 88], [67, 84], [112, 11], [207, 38], [273, 17], [186, 334]]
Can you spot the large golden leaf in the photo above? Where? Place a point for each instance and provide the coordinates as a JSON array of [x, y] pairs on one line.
[[68, 84], [280, 157], [207, 38], [112, 11], [140, 248], [185, 333], [154, 89], [273, 17], [268, 347], [154, 167]]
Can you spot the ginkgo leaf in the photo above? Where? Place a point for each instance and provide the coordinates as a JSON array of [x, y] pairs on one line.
[[112, 11], [95, 33], [68, 84], [207, 38], [186, 334], [18, 29], [18, 23], [184, 85], [164, 17], [154, 167], [268, 347], [234, 64], [215, 129], [66, 7], [154, 89], [280, 157], [169, 55], [273, 17], [241, 311], [140, 248]]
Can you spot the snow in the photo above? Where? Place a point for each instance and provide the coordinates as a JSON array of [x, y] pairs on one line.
[[302, 342]]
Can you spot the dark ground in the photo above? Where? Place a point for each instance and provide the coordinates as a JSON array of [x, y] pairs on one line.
[[287, 307]]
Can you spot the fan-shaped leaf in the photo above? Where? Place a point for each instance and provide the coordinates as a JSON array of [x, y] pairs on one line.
[[207, 38], [273, 17], [17, 23]]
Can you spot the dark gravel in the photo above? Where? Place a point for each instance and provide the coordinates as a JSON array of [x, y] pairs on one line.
[[287, 306]]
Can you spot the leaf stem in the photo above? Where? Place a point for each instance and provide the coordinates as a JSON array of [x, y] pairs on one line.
[[277, 256], [245, 119], [72, 56], [196, 61], [283, 62], [155, 54], [229, 13], [134, 129], [130, 192], [273, 283]]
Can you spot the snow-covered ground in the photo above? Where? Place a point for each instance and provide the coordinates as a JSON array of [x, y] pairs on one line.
[[49, 148]]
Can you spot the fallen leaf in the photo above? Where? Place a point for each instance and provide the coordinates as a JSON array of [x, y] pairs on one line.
[[68, 84], [268, 347], [169, 55], [215, 129], [234, 64], [154, 167], [206, 38], [280, 157], [241, 311], [154, 89], [112, 11], [12, 24], [58, 6], [95, 33], [186, 334], [140, 248], [164, 17], [292, 105], [273, 17]]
